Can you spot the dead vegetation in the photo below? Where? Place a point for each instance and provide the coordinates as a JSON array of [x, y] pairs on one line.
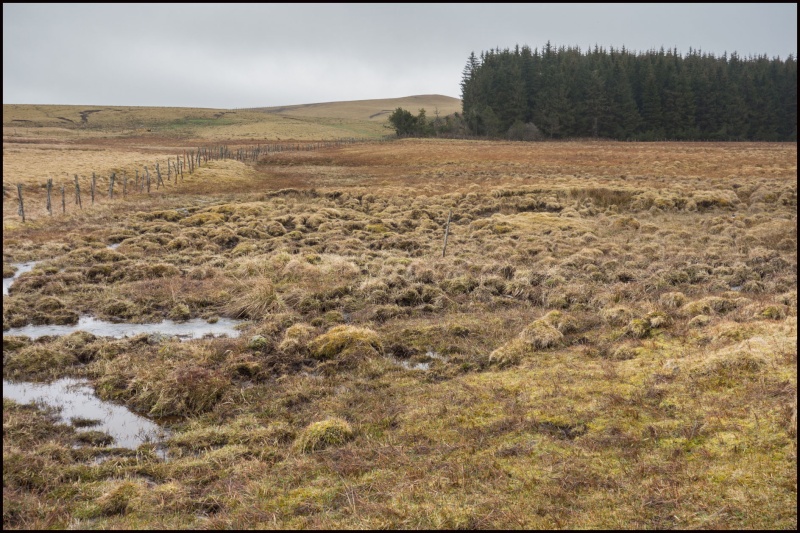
[[609, 342]]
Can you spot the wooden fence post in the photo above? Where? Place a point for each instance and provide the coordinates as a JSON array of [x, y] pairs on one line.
[[49, 189], [446, 232], [77, 192], [159, 181], [111, 186], [21, 210], [94, 184], [147, 177], [124, 185], [63, 200]]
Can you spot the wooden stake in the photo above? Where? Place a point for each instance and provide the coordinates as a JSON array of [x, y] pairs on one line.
[[49, 188], [78, 193], [159, 181], [21, 210], [446, 232]]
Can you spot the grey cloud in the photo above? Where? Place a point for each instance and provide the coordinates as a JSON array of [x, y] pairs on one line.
[[240, 55]]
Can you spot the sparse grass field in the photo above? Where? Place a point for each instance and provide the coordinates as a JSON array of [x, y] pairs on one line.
[[610, 341]]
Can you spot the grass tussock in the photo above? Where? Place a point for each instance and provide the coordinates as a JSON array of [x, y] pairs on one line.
[[346, 343], [322, 434]]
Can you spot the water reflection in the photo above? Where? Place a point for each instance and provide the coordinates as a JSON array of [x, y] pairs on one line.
[[75, 399], [191, 329], [21, 269]]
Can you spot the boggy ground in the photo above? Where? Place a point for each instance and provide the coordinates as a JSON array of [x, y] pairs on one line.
[[609, 341]]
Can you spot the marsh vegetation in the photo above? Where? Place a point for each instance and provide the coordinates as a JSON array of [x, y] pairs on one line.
[[609, 341]]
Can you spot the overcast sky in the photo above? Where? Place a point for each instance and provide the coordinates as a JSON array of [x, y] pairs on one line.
[[243, 55]]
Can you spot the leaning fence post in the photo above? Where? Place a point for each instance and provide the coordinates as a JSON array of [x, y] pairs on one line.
[[49, 188], [21, 210], [77, 192], [446, 232]]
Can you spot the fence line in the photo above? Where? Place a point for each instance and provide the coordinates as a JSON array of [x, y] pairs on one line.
[[188, 161]]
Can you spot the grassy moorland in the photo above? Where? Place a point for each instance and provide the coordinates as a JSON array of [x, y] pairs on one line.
[[609, 341], [333, 120]]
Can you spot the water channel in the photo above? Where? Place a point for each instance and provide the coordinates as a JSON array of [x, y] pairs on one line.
[[21, 269], [75, 399], [191, 329]]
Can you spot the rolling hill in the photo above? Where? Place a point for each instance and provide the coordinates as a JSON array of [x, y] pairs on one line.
[[317, 121]]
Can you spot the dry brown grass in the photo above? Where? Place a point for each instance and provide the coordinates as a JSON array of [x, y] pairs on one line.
[[552, 371]]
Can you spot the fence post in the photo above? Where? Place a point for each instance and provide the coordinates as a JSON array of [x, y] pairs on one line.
[[21, 210], [94, 183], [159, 181], [77, 192], [124, 185], [111, 186], [49, 188], [147, 177], [63, 200], [446, 232]]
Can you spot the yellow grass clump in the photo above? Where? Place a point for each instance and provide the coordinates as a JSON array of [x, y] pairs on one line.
[[539, 335], [319, 435], [346, 342]]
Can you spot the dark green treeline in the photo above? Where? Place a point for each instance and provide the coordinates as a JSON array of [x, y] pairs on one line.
[[618, 94]]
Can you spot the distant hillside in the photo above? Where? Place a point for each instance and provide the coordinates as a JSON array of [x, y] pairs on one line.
[[372, 110], [330, 120]]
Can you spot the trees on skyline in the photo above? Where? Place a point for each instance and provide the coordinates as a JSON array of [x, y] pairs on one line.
[[618, 94]]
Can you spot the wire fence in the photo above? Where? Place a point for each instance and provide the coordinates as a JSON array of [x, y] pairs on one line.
[[169, 173]]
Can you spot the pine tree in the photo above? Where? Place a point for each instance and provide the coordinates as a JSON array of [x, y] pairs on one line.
[[651, 105], [469, 96]]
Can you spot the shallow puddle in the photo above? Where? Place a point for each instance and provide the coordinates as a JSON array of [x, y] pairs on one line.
[[76, 399], [21, 269], [410, 365], [191, 329]]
